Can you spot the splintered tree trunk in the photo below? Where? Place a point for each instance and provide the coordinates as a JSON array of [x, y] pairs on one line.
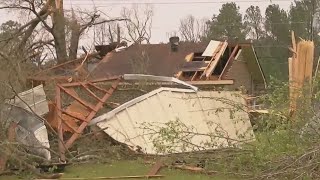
[[74, 43], [58, 29]]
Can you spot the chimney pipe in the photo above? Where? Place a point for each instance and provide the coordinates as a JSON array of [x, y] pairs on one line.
[[174, 42]]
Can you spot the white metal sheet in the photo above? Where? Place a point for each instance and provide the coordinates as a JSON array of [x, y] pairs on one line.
[[213, 118], [34, 98], [211, 48]]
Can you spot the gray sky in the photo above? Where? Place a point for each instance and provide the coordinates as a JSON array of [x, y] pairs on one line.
[[167, 13]]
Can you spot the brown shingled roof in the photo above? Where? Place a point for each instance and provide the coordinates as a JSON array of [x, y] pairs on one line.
[[153, 59]]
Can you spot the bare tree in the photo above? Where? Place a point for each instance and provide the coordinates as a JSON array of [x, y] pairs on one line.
[[138, 27], [192, 29], [108, 33], [50, 15]]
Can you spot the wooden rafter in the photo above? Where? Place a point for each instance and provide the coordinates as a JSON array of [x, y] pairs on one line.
[[93, 109]]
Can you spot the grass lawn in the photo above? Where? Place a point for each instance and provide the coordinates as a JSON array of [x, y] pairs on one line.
[[126, 168]]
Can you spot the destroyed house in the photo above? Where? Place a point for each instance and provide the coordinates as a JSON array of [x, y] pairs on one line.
[[153, 59], [223, 63], [88, 93], [233, 66]]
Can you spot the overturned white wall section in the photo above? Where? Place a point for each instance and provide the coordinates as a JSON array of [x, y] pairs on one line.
[[34, 98], [30, 131], [171, 120]]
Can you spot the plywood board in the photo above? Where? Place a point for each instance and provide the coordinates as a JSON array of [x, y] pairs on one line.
[[211, 48]]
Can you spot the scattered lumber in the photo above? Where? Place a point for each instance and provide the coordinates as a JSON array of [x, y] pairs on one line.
[[189, 168], [156, 168], [115, 177]]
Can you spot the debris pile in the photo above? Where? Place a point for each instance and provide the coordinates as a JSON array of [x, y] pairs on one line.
[[172, 116]]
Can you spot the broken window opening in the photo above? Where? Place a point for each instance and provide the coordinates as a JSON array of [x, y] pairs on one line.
[[224, 60]]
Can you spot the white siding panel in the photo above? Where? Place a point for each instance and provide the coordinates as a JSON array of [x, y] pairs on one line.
[[33, 98], [201, 112]]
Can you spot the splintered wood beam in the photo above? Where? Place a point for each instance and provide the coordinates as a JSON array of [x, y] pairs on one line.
[[194, 76], [74, 84], [215, 61], [294, 44], [290, 71], [65, 63]]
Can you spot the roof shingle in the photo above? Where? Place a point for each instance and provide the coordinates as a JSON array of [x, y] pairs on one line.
[[153, 59]]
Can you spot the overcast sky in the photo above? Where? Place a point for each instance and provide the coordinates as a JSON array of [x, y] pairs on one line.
[[167, 13]]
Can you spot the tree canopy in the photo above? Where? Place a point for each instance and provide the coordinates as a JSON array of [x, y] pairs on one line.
[[270, 33]]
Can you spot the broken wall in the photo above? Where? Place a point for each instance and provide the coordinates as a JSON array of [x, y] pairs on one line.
[[239, 72]]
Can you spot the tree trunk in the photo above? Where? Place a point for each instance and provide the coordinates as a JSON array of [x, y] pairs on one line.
[[75, 36], [118, 34], [58, 31]]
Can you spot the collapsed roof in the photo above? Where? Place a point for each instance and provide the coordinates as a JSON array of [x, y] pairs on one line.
[[153, 59], [222, 61], [215, 61]]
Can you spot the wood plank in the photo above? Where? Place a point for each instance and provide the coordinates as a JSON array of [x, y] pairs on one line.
[[194, 76], [215, 61], [65, 63], [155, 168], [114, 177]]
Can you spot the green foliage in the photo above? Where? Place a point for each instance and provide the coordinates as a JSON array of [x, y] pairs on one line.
[[271, 35], [300, 18], [282, 148], [253, 22], [277, 24], [227, 24]]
